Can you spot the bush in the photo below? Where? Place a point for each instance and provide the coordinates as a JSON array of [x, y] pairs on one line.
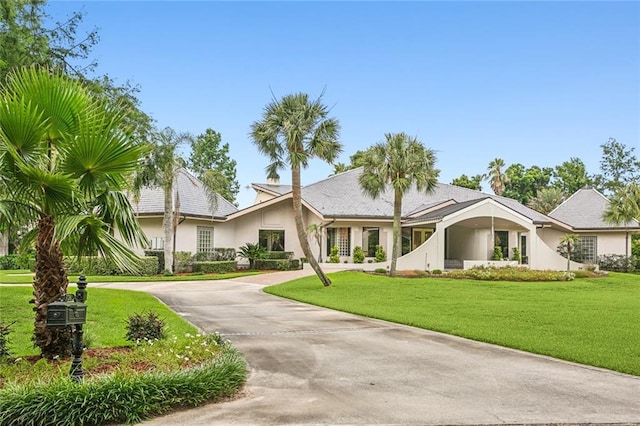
[[277, 264], [120, 398], [381, 255], [145, 327], [9, 261], [617, 263], [218, 254], [219, 267], [380, 271], [96, 265], [497, 253], [183, 261], [251, 252], [358, 255], [436, 272], [158, 254], [278, 255], [4, 340], [333, 257], [509, 273], [516, 254]]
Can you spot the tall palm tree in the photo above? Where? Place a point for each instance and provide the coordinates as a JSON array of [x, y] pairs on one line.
[[497, 179], [160, 168], [401, 161], [624, 207], [292, 131], [64, 158]]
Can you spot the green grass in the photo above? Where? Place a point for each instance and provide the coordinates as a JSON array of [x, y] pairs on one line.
[[107, 311], [589, 321], [26, 277]]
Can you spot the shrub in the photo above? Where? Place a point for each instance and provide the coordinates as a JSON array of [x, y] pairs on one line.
[[183, 261], [381, 255], [617, 263], [436, 272], [9, 261], [218, 254], [509, 273], [516, 254], [4, 340], [277, 264], [144, 327], [278, 255], [497, 253], [333, 257], [159, 254], [358, 255], [96, 265], [380, 271], [219, 267], [251, 252]]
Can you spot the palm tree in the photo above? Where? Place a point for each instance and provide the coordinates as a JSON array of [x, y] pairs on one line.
[[624, 207], [400, 162], [570, 241], [160, 169], [292, 131], [547, 199], [497, 179], [64, 158]]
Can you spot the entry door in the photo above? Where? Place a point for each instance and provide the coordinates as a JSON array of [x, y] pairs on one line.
[[420, 235]]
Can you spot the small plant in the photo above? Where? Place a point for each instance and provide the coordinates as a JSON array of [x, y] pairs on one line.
[[516, 254], [334, 257], [381, 255], [167, 273], [380, 271], [358, 255], [252, 252], [369, 260], [87, 339], [436, 272], [497, 253], [145, 327], [4, 340]]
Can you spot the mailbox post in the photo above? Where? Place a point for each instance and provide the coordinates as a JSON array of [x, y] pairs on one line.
[[71, 311]]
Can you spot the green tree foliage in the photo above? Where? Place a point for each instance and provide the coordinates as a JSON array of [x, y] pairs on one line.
[[523, 183], [472, 182], [569, 245], [210, 161], [398, 163], [547, 199], [355, 161], [619, 166], [571, 175], [64, 162], [292, 131]]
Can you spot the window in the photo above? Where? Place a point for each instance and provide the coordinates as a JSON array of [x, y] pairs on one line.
[[340, 237], [501, 239], [412, 238], [588, 247], [204, 242], [271, 240], [370, 239]]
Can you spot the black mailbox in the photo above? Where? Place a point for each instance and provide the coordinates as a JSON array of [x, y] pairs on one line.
[[64, 313]]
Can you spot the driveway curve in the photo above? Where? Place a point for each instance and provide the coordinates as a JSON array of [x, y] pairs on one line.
[[310, 365]]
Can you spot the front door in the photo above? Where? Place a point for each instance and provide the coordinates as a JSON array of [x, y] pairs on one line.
[[419, 236]]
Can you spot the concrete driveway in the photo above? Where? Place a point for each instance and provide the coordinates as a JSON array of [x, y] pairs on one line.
[[312, 365]]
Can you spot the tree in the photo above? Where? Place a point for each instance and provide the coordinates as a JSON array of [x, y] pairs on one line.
[[210, 160], [355, 161], [624, 207], [64, 160], [571, 175], [523, 183], [472, 182], [569, 242], [401, 162], [251, 252], [160, 168], [292, 131], [497, 179], [546, 200], [619, 166]]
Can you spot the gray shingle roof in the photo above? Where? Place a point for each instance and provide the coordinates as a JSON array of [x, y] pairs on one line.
[[193, 199], [275, 189], [585, 209], [341, 196], [446, 210]]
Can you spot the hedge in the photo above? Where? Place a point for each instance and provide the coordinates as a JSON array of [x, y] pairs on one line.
[[219, 267], [277, 264], [95, 265]]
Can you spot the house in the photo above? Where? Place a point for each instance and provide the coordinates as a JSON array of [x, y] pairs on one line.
[[450, 227]]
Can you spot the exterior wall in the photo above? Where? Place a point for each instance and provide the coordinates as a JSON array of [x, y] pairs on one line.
[[385, 237], [609, 242]]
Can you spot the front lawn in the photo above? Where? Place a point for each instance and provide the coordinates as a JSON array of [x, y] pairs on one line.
[[589, 321]]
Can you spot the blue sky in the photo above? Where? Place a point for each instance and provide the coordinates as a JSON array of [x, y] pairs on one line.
[[530, 82]]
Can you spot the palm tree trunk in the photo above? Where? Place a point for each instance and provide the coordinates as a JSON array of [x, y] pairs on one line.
[[167, 225], [300, 228], [397, 235], [49, 284]]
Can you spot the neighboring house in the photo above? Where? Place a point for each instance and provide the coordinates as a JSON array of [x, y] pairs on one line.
[[451, 227]]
